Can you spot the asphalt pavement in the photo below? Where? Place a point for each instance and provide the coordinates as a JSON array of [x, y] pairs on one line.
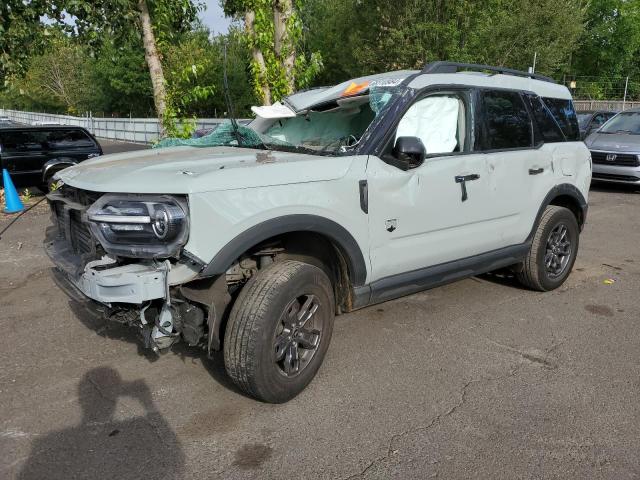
[[476, 379]]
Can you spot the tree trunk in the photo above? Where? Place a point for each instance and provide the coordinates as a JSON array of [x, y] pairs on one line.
[[153, 62], [258, 58], [284, 49]]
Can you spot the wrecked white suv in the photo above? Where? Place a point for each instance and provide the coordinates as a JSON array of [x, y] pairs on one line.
[[251, 239]]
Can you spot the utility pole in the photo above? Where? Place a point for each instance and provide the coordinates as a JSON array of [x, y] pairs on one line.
[[624, 99]]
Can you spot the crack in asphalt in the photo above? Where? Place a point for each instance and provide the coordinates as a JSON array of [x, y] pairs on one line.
[[434, 420], [531, 357]]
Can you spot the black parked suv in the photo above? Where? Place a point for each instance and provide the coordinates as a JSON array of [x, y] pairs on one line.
[[32, 155]]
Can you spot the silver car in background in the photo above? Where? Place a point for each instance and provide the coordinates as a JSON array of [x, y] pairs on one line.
[[615, 149]]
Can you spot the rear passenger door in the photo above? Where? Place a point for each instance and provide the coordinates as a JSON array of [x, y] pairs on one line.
[[519, 171]]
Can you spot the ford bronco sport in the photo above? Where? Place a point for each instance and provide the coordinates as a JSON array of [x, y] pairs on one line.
[[335, 199]]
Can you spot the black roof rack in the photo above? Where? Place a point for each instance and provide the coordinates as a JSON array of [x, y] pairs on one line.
[[453, 67]]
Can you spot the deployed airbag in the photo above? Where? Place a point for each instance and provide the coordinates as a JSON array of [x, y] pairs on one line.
[[434, 120]]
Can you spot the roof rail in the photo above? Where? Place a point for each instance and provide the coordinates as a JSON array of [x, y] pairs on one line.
[[453, 67]]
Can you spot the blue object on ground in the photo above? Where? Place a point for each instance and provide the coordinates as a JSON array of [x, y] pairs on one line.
[[12, 202]]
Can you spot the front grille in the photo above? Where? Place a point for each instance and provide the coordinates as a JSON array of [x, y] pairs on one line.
[[612, 176], [82, 197], [68, 206], [620, 159], [81, 239]]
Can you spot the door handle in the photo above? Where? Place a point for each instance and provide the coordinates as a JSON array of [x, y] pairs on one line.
[[536, 171], [462, 180]]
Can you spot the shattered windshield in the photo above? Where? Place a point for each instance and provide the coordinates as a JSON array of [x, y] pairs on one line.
[[332, 128]]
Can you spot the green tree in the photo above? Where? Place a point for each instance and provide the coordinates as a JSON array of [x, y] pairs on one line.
[[63, 73], [21, 35], [121, 81], [207, 55], [610, 43], [609, 50], [273, 31], [57, 80], [358, 38], [155, 22]]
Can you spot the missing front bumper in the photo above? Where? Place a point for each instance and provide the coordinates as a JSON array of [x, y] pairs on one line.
[[135, 283]]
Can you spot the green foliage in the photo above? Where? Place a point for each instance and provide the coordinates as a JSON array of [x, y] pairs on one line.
[[408, 34], [57, 80], [280, 78], [21, 35], [611, 41], [610, 46], [66, 78], [99, 64], [121, 82], [185, 65], [100, 21]]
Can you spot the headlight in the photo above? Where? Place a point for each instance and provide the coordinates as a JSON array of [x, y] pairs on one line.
[[140, 225]]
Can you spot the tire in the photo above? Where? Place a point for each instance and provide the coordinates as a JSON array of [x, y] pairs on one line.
[[548, 246], [266, 329]]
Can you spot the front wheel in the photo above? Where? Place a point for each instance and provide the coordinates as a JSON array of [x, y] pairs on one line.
[[279, 330], [553, 250]]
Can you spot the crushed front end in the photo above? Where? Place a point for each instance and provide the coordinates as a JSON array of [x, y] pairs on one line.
[[124, 255]]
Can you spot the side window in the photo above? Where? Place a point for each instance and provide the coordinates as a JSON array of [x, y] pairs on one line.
[[437, 120], [22, 141], [565, 115], [66, 139], [599, 119], [548, 129], [504, 121]]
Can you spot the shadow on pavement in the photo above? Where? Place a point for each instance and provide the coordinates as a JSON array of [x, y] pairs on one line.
[[103, 447], [606, 187], [94, 321], [502, 277]]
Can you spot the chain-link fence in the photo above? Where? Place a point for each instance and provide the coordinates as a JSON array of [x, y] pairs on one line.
[[607, 105], [138, 130], [604, 88]]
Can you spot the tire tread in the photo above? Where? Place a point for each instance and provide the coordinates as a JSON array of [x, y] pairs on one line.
[[531, 274], [253, 302]]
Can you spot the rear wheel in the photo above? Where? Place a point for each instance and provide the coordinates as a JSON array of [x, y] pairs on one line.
[[279, 330], [553, 250]]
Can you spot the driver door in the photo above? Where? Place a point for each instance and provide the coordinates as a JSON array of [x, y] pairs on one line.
[[422, 217]]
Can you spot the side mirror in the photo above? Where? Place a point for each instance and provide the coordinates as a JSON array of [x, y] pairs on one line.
[[409, 151]]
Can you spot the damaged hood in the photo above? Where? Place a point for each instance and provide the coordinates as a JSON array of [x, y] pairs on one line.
[[184, 170]]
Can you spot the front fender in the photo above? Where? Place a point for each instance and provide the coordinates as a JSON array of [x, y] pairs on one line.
[[287, 224]]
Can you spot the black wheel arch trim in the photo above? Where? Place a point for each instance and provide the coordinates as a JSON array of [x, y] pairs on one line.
[[56, 162], [288, 224], [563, 189]]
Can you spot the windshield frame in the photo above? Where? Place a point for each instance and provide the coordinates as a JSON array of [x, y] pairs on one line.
[[398, 92]]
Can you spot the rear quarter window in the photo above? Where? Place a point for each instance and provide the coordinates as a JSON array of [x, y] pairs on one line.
[[565, 115], [548, 130]]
